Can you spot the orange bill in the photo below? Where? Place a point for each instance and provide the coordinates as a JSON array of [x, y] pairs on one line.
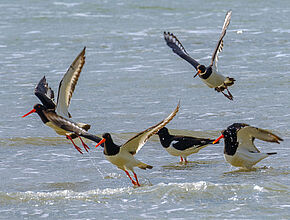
[[102, 141], [220, 137], [32, 111], [198, 72]]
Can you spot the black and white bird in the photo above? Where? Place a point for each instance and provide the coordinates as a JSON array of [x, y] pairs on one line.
[[182, 146], [209, 75], [55, 115], [239, 147], [122, 156]]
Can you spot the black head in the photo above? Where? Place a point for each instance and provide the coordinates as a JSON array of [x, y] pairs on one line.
[[106, 139], [230, 138], [163, 131], [106, 136], [201, 69], [39, 107]]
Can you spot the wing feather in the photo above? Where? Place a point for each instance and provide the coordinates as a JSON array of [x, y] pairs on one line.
[[178, 48], [68, 83], [220, 44], [134, 144], [45, 94], [247, 135]]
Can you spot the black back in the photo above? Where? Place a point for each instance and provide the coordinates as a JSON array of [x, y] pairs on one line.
[[181, 142]]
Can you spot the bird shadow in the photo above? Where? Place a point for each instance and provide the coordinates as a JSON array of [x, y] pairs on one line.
[[189, 165], [244, 170]]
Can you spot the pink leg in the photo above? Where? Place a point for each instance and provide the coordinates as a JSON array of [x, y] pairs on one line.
[[76, 147], [84, 145], [181, 159], [185, 160], [134, 183], [136, 179], [229, 95]]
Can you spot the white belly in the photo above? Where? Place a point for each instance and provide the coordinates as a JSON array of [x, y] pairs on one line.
[[57, 129], [214, 80], [245, 159], [183, 153], [123, 160]]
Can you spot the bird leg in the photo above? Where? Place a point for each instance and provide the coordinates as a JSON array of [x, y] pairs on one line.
[[134, 183], [181, 159], [76, 147], [229, 95], [84, 145], [185, 160], [136, 179]]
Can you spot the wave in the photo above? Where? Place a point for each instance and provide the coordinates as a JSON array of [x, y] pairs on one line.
[[201, 190]]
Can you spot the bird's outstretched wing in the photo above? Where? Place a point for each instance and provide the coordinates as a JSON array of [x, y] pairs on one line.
[[68, 83], [220, 44], [45, 94], [247, 135], [134, 144], [177, 48]]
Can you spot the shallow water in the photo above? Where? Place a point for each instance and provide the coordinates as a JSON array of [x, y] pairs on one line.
[[131, 81]]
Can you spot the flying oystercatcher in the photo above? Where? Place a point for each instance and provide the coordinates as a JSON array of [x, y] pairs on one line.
[[123, 156], [181, 146], [239, 148], [55, 115], [209, 75]]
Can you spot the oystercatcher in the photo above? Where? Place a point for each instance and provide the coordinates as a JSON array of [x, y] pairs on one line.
[[239, 149], [209, 75], [181, 146], [54, 114], [123, 156]]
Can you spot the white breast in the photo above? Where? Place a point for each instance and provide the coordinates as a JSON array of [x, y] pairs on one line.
[[184, 153], [214, 80], [123, 160]]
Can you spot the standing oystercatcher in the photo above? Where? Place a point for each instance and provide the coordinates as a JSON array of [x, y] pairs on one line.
[[54, 114], [123, 156], [181, 146], [240, 150], [209, 75]]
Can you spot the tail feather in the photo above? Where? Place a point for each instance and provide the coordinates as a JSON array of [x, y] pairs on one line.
[[84, 126], [92, 137], [144, 166], [272, 153], [229, 81]]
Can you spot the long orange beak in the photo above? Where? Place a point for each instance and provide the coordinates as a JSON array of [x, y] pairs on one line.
[[102, 141], [220, 137], [32, 111], [198, 72]]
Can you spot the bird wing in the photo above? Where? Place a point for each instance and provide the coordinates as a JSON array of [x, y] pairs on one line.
[[185, 142], [45, 94], [177, 48], [134, 144], [220, 44], [247, 135], [68, 83]]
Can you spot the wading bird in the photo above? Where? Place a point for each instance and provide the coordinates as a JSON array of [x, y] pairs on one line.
[[123, 156], [239, 148]]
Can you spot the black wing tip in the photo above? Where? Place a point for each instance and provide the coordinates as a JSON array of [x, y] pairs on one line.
[[272, 153]]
